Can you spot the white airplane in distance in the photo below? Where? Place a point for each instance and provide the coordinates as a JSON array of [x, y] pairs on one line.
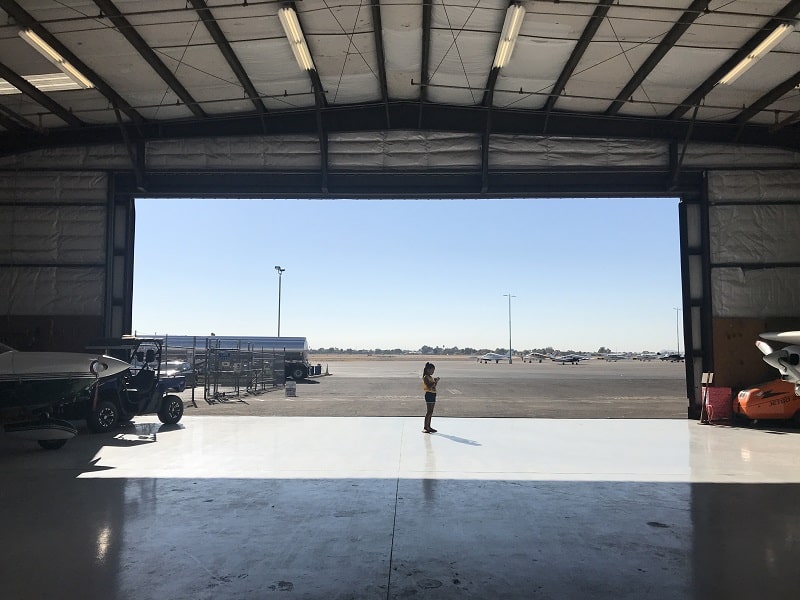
[[615, 356], [492, 356], [573, 359], [646, 356], [535, 356], [785, 359]]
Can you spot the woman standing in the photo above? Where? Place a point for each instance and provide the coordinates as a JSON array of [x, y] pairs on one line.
[[429, 387]]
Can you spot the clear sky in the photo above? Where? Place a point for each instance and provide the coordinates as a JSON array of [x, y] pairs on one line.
[[369, 274]]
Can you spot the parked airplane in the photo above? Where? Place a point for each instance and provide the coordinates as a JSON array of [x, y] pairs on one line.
[[535, 357], [615, 356], [569, 358], [33, 383], [646, 356], [785, 359], [672, 357], [492, 356]]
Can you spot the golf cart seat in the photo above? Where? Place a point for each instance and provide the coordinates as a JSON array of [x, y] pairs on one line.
[[142, 381]]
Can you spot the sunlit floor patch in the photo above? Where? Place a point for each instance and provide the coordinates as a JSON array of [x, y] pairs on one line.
[[472, 449]]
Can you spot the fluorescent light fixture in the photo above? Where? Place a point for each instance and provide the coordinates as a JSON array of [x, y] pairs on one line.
[[772, 40], [508, 37], [54, 57], [51, 82], [291, 27]]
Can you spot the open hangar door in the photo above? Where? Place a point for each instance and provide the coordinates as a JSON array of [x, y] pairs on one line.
[[68, 219]]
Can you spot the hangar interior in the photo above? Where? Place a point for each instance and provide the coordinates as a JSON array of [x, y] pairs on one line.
[[695, 99], [394, 99]]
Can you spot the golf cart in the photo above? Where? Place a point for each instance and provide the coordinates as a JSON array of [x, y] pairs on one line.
[[140, 390]]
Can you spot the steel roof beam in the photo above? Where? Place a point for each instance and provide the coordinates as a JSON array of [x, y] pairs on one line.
[[143, 48], [488, 101], [488, 90], [787, 14], [775, 94], [689, 16], [227, 51], [16, 122], [424, 76], [26, 20], [322, 132], [405, 116], [377, 26], [611, 183], [577, 53], [39, 96], [788, 121], [9, 123]]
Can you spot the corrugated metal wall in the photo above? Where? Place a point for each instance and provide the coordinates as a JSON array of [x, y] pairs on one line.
[[754, 267], [53, 250]]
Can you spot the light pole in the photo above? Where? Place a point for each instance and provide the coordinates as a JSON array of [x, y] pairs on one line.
[[677, 328], [280, 272], [509, 325]]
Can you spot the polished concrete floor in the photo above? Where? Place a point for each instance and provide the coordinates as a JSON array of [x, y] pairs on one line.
[[338, 508]]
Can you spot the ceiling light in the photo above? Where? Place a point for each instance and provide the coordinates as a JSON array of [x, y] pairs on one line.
[[508, 37], [54, 57], [51, 82], [772, 40], [291, 27]]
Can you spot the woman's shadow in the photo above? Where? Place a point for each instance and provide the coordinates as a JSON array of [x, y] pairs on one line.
[[459, 440]]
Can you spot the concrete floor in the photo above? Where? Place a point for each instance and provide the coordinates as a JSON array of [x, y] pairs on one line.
[[360, 507]]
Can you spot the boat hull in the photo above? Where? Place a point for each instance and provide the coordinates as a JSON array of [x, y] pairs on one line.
[[33, 380], [43, 430]]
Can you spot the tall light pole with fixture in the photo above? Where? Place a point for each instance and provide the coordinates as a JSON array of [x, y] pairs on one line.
[[280, 272], [677, 327], [509, 325]]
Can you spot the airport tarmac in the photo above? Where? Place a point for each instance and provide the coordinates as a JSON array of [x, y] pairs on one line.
[[379, 387]]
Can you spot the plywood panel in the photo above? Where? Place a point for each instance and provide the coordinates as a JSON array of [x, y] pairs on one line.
[[737, 361]]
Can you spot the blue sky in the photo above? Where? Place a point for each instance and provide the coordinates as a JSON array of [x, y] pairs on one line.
[[389, 274]]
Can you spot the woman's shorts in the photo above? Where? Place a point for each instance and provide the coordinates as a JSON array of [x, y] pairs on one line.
[[430, 397]]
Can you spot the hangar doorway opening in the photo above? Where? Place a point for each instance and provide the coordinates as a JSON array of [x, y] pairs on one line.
[[379, 287]]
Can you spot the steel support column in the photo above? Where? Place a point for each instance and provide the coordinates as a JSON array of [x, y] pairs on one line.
[[696, 304], [121, 225]]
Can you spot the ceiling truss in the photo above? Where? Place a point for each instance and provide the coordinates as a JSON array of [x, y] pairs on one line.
[[386, 113]]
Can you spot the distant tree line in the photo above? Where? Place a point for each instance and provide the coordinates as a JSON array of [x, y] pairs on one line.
[[442, 351]]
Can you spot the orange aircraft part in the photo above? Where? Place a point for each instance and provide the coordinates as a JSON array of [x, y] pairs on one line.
[[771, 400]]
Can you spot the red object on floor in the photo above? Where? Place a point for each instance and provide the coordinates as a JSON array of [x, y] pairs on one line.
[[720, 403]]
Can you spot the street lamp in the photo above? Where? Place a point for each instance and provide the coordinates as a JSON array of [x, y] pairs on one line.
[[280, 272], [509, 325], [677, 328]]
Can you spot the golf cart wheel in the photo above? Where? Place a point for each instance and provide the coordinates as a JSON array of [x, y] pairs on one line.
[[171, 409], [52, 444], [105, 418]]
